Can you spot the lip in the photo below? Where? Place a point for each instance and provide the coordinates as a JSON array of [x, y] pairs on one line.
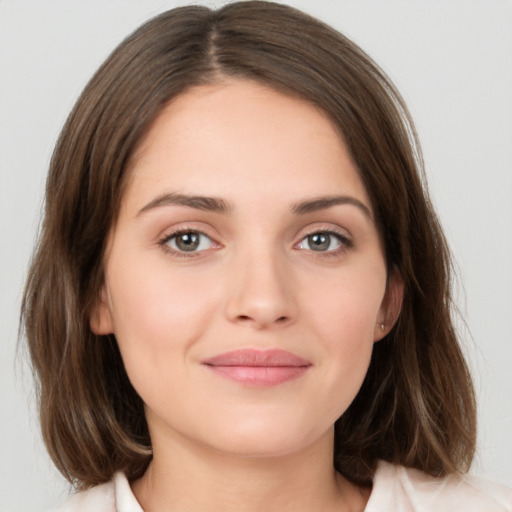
[[259, 368]]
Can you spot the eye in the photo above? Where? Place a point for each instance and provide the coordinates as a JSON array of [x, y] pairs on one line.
[[323, 241], [188, 241]]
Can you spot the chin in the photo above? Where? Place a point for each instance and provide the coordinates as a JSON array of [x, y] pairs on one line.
[[264, 439]]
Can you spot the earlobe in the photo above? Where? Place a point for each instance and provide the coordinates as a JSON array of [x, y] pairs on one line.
[[100, 319], [391, 306]]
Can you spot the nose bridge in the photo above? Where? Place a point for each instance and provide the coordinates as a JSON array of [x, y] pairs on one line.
[[260, 286]]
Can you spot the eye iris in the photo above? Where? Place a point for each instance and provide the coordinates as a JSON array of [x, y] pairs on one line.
[[187, 241], [319, 241]]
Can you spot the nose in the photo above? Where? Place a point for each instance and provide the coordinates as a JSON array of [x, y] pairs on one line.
[[261, 292]]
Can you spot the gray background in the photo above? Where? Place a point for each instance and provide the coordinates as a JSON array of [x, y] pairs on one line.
[[452, 61]]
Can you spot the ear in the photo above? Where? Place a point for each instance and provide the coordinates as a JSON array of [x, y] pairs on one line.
[[390, 307], [100, 321]]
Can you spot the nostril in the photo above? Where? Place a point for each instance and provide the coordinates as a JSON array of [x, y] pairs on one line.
[[248, 318]]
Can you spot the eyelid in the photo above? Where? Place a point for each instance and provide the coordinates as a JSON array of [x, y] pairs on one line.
[[345, 238], [323, 227], [342, 234], [170, 233]]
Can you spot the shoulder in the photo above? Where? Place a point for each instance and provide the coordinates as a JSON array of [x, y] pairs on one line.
[[100, 498], [113, 496], [409, 490]]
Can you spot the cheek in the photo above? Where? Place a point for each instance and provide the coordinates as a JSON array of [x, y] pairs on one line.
[[343, 314], [347, 306], [156, 314]]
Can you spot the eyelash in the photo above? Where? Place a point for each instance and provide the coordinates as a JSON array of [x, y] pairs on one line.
[[345, 242], [163, 242]]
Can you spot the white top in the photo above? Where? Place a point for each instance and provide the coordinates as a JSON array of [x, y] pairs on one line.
[[395, 489]]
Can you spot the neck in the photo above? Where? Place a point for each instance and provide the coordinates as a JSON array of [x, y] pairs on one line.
[[188, 477]]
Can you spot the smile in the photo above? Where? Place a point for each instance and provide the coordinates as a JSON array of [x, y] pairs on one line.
[[258, 368]]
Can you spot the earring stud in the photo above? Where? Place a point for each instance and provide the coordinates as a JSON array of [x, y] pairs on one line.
[[382, 327]]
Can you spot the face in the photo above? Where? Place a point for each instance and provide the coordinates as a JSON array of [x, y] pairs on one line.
[[245, 280]]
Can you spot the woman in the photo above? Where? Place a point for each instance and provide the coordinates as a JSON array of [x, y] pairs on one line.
[[240, 280]]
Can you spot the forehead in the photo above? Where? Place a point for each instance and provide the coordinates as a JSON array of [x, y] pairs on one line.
[[239, 137]]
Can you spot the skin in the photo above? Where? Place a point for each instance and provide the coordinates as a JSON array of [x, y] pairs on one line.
[[255, 281]]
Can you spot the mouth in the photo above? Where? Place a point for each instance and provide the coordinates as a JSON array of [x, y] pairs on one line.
[[258, 368]]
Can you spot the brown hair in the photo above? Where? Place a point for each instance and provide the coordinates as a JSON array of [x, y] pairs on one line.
[[416, 406]]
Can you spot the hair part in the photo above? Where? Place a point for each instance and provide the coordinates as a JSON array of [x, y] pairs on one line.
[[416, 406]]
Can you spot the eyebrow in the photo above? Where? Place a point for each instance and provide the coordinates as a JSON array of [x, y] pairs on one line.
[[209, 204], [217, 205], [322, 203]]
